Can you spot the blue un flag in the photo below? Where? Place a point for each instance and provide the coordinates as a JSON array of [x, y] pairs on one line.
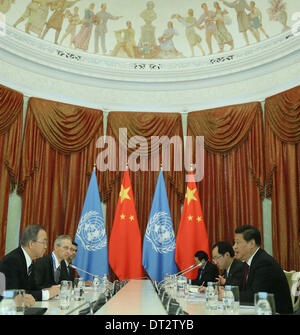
[[91, 236], [159, 241]]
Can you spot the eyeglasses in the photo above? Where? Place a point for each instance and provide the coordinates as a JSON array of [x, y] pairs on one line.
[[217, 257], [66, 248]]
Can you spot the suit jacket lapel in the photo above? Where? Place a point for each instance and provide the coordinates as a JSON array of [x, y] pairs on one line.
[[24, 264], [252, 266]]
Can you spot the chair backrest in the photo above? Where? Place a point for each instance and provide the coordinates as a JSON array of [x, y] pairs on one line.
[[293, 279]]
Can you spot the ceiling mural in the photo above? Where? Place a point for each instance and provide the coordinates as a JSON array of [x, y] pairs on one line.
[[159, 29]]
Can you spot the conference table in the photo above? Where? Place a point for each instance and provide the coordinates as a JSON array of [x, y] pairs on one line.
[[137, 297]]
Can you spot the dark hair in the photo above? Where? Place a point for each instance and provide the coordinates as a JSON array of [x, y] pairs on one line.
[[74, 243], [30, 233], [224, 247], [201, 255], [249, 233]]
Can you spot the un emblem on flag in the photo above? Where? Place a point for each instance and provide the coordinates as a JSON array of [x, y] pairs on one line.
[[91, 231], [160, 233]]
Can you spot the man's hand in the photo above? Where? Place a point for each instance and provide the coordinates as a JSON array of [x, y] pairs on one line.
[[53, 291], [202, 289], [29, 300], [221, 280], [221, 290]]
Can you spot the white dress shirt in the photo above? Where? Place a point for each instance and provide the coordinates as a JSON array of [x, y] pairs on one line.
[[45, 293]]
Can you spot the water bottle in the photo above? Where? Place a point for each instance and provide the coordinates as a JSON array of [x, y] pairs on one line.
[[263, 307], [105, 283], [96, 283], [211, 298], [228, 300], [181, 281]]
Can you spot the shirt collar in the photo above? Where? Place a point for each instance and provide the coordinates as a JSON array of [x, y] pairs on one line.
[[228, 269], [251, 258], [27, 258], [204, 265], [57, 264]]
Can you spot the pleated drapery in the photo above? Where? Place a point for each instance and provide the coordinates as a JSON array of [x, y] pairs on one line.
[[61, 146], [232, 188], [11, 119], [146, 125], [282, 156], [58, 156]]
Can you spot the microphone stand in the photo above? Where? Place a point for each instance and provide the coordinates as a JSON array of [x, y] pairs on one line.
[[183, 272], [189, 270], [76, 268]]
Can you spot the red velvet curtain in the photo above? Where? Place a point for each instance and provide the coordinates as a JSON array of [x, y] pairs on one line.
[[11, 120], [58, 156], [144, 180], [282, 156], [232, 189]]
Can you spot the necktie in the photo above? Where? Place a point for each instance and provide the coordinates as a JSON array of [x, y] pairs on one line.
[[30, 269], [246, 270], [57, 274], [200, 274]]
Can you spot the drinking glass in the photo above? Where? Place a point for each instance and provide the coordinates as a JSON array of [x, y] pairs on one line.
[[271, 300], [13, 302], [65, 294], [78, 289], [236, 293]]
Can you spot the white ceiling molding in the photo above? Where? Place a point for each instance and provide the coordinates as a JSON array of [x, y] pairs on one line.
[[29, 52]]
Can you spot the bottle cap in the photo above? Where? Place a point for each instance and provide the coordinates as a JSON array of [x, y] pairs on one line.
[[262, 295], [228, 287]]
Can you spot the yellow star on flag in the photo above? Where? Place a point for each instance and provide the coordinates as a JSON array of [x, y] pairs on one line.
[[131, 218], [190, 194], [124, 193], [199, 218], [122, 216], [190, 217]]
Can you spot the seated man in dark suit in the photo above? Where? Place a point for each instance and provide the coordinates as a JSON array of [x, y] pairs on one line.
[[207, 270], [223, 257], [262, 272], [72, 255], [17, 265], [52, 269]]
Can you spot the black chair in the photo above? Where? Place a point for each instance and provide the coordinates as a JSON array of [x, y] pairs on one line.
[[116, 287], [94, 306], [172, 306], [180, 311]]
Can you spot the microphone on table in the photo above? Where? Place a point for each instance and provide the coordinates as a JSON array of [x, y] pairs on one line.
[[190, 268], [77, 268], [186, 270], [182, 272]]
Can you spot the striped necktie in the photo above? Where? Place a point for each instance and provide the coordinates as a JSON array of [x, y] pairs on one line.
[[57, 274], [29, 270]]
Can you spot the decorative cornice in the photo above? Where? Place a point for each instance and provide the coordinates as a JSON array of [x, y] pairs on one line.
[[122, 71]]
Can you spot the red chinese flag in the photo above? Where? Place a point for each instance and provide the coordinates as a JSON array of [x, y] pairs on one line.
[[192, 234], [125, 246]]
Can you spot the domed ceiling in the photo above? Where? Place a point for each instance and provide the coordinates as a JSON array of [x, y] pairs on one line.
[[151, 29], [122, 40]]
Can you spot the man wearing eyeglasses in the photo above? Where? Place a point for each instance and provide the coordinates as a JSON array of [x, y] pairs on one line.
[[17, 265], [233, 269], [72, 255], [51, 269]]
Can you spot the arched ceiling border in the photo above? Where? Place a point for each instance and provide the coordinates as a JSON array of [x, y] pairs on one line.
[[21, 48]]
